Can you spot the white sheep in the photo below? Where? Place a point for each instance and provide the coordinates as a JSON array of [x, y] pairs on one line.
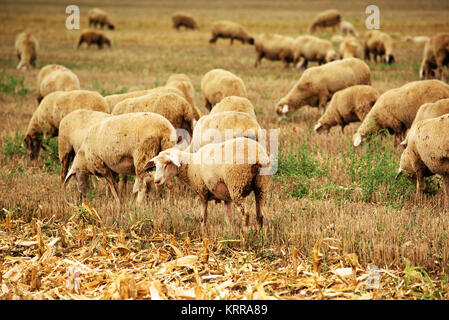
[[233, 103], [54, 77], [26, 46]]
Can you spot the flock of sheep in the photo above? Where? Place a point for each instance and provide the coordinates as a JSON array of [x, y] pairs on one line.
[[128, 134]]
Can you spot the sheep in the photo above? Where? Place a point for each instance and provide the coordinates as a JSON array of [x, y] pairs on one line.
[[317, 84], [350, 47], [310, 48], [435, 57], [230, 30], [275, 47], [417, 39], [347, 29], [93, 37], [216, 172], [428, 111], [218, 83], [26, 46], [52, 109], [183, 83], [380, 45], [122, 144], [171, 106], [234, 103], [328, 18], [427, 153], [113, 99], [73, 129], [218, 127], [184, 20], [348, 105], [97, 16], [54, 77], [396, 109]]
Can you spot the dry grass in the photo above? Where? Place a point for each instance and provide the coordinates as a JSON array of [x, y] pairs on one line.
[[384, 229]]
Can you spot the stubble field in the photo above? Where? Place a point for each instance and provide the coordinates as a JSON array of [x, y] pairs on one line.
[[331, 209]]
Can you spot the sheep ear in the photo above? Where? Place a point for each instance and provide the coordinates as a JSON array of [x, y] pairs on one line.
[[150, 164], [285, 109], [68, 176], [404, 143], [317, 126], [357, 140], [173, 157]]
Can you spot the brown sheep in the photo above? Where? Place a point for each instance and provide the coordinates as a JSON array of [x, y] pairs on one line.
[[350, 47], [435, 57], [317, 84], [184, 20], [396, 109], [230, 30], [26, 49], [328, 18], [218, 83], [379, 44], [427, 153], [54, 77], [97, 16], [93, 37], [275, 47], [348, 105], [311, 48]]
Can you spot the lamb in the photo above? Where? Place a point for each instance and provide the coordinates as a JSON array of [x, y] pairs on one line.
[[216, 172], [347, 29], [26, 46], [328, 18], [97, 16], [230, 30], [348, 105], [310, 48], [184, 20], [380, 45], [218, 127], [93, 37], [350, 47], [435, 57], [396, 109], [73, 129], [53, 108], [275, 47], [171, 106], [317, 84], [218, 83], [122, 144], [54, 77], [428, 111], [427, 153], [234, 103]]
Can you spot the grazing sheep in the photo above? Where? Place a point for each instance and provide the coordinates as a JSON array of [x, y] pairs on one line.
[[184, 20], [26, 49], [234, 103], [348, 105], [218, 127], [275, 47], [417, 39], [183, 83], [317, 84], [350, 47], [347, 29], [310, 48], [380, 45], [396, 109], [427, 153], [97, 16], [93, 37], [435, 57], [53, 108], [54, 77], [230, 30], [113, 99], [328, 18], [170, 105], [428, 111], [122, 145], [73, 129], [227, 171], [218, 83]]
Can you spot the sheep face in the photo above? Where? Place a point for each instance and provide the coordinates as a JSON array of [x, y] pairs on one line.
[[167, 163], [321, 128], [281, 110], [111, 27], [250, 40], [33, 145], [357, 139]]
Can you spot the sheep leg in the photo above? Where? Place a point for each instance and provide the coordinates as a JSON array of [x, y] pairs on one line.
[[213, 39], [258, 59], [232, 41], [111, 180], [228, 211], [420, 183], [122, 184], [244, 218], [80, 43], [204, 204]]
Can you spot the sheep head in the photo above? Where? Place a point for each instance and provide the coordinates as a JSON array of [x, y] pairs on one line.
[[321, 128], [167, 163], [33, 143]]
